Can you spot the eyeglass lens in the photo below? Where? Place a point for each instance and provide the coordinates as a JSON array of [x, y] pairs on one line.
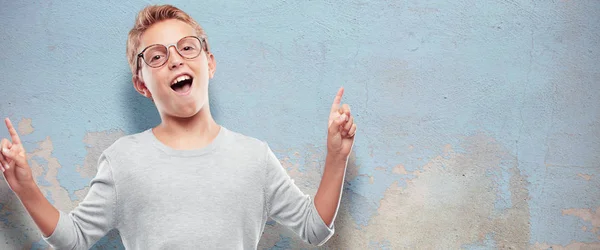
[[157, 55]]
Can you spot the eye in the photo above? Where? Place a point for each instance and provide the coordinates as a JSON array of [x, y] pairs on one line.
[[186, 48], [156, 57]]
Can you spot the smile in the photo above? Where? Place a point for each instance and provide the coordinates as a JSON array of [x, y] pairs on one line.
[[182, 85]]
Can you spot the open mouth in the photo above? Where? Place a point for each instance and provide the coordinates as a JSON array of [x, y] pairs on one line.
[[182, 84]]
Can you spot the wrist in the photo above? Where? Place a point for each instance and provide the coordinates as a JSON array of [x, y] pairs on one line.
[[336, 161], [336, 157]]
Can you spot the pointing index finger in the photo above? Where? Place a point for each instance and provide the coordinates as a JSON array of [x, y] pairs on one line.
[[13, 133], [338, 99]]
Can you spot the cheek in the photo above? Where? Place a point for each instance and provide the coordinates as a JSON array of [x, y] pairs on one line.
[[152, 80]]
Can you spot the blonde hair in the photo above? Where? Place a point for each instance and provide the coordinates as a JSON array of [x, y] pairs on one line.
[[153, 14]]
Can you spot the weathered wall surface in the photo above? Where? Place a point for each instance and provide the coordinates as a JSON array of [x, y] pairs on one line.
[[479, 120]]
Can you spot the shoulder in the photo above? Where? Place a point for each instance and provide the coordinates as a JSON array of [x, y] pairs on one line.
[[127, 144], [243, 140], [245, 144]]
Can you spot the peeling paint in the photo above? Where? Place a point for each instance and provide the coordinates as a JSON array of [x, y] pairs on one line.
[[588, 215], [399, 169], [441, 208], [586, 177], [24, 127]]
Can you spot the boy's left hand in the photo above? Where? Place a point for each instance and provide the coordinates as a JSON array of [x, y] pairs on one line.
[[340, 136]]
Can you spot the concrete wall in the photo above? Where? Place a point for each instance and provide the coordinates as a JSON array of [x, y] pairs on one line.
[[479, 120]]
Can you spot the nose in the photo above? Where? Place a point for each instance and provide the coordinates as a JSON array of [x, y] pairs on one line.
[[175, 60]]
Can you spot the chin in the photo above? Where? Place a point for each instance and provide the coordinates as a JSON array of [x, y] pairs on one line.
[[188, 111]]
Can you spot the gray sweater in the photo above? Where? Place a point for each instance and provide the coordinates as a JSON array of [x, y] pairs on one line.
[[217, 197]]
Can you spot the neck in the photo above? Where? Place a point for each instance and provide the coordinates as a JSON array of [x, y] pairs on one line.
[[187, 133]]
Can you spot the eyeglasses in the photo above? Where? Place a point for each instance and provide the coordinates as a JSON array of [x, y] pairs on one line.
[[156, 55]]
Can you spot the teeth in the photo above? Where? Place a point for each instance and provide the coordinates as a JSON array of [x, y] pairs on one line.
[[181, 78]]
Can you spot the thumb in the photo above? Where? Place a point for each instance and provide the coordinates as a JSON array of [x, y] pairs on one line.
[[336, 125]]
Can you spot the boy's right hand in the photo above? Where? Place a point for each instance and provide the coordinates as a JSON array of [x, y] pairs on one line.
[[13, 162]]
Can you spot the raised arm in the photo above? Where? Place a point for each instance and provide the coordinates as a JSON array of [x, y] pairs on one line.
[[80, 228], [18, 174], [286, 204], [340, 139]]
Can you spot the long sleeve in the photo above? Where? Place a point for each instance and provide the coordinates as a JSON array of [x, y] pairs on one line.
[[290, 207], [92, 218]]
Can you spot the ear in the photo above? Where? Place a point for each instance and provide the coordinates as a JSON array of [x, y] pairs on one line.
[[212, 65], [140, 86]]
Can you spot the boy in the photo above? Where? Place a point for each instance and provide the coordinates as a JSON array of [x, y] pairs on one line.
[[188, 182]]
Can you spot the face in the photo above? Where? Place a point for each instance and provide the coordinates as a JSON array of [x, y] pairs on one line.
[[179, 87]]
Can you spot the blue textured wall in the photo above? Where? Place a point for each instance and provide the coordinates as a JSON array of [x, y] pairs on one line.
[[479, 120]]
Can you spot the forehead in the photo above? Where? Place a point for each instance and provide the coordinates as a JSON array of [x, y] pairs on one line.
[[166, 32]]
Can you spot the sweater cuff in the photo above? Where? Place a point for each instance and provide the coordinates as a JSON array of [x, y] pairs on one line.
[[58, 237], [322, 231]]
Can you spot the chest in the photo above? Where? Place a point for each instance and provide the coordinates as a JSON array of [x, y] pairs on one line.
[[213, 190]]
